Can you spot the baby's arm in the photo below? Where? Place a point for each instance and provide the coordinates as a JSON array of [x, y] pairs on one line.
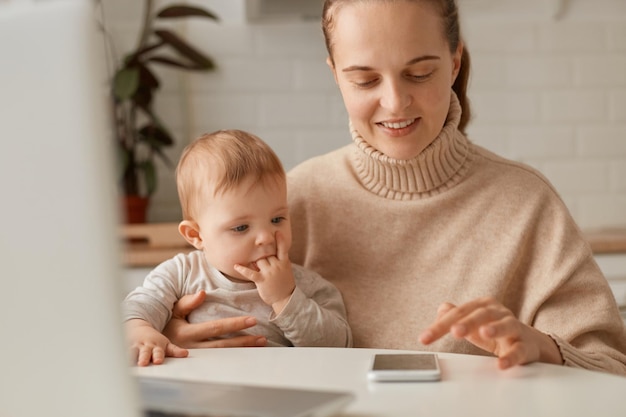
[[146, 343], [315, 314]]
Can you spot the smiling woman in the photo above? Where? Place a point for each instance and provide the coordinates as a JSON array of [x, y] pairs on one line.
[[544, 92], [398, 92], [435, 242]]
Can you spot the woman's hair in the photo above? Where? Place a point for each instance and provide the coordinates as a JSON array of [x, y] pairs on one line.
[[219, 161], [448, 11]]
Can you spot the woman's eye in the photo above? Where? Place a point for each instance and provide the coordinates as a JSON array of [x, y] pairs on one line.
[[365, 83], [241, 228], [420, 77], [277, 220]]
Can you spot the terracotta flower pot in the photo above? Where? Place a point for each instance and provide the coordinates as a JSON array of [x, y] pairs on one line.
[[135, 208]]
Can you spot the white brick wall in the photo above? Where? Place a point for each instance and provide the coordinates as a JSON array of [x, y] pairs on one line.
[[555, 93], [551, 93]]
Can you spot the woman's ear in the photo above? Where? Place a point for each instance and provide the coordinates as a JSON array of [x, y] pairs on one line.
[[191, 232], [457, 58], [330, 64]]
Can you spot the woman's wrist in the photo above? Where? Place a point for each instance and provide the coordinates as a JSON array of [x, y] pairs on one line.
[[549, 351]]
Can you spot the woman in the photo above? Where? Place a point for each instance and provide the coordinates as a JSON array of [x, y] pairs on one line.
[[434, 242]]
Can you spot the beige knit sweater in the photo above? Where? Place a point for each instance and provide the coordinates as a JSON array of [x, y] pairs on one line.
[[456, 223]]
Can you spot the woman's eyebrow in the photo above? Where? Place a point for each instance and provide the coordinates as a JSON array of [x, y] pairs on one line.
[[357, 68], [410, 62], [422, 58]]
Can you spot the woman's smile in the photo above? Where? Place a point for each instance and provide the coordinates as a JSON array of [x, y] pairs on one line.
[[400, 92], [399, 128]]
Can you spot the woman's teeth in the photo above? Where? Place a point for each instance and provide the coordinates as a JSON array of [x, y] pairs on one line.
[[398, 125]]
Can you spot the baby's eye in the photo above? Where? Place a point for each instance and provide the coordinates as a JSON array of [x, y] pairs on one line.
[[277, 220], [241, 228]]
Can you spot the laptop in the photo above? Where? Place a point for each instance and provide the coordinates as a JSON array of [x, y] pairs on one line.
[[62, 341], [178, 398]]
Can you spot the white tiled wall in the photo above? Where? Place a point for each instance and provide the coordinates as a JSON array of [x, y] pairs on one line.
[[548, 92]]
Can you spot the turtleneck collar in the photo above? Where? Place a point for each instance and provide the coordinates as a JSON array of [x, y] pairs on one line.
[[438, 167]]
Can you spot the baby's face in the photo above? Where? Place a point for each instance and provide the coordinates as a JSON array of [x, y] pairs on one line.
[[239, 225]]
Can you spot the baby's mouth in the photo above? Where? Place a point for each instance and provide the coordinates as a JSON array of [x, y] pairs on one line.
[[253, 264]]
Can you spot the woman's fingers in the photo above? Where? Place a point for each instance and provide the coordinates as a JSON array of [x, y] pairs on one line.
[[187, 304], [489, 325], [198, 335], [483, 322], [513, 354], [443, 309], [479, 320], [449, 315], [239, 341], [519, 344]]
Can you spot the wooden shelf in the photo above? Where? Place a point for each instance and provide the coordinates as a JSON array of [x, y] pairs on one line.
[[149, 244], [607, 240]]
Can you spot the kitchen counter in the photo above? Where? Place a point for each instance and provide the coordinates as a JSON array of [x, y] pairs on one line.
[[149, 244], [607, 240]]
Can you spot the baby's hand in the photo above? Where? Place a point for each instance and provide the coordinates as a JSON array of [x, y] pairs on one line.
[[274, 279], [148, 344]]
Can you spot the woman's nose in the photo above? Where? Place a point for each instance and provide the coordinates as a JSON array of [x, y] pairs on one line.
[[394, 97]]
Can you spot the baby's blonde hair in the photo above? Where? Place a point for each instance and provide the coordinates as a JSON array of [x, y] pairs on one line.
[[219, 161]]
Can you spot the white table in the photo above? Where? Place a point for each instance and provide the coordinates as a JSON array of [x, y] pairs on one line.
[[470, 385]]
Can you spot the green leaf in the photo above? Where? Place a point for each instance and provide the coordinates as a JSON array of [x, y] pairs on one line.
[[164, 158], [136, 57], [147, 77], [184, 49], [143, 98], [149, 175], [123, 160], [155, 136], [178, 64], [148, 85], [125, 83], [179, 10]]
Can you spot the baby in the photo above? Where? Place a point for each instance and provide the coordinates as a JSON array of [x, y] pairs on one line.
[[233, 192]]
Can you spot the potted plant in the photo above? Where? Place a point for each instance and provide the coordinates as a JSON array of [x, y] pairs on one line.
[[139, 133]]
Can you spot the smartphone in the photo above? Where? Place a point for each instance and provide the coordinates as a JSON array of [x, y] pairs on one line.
[[405, 367]]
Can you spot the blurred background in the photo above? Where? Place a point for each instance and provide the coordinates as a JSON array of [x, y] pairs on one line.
[[548, 88]]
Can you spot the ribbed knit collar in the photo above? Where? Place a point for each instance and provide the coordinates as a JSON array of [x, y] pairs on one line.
[[438, 167]]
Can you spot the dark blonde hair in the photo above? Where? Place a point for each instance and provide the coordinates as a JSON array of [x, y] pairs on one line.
[[219, 161], [449, 13]]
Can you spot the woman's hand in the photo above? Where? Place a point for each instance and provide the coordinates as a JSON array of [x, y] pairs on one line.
[[489, 325], [197, 335]]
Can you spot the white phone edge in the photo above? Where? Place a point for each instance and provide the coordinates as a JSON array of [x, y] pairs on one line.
[[405, 375]]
